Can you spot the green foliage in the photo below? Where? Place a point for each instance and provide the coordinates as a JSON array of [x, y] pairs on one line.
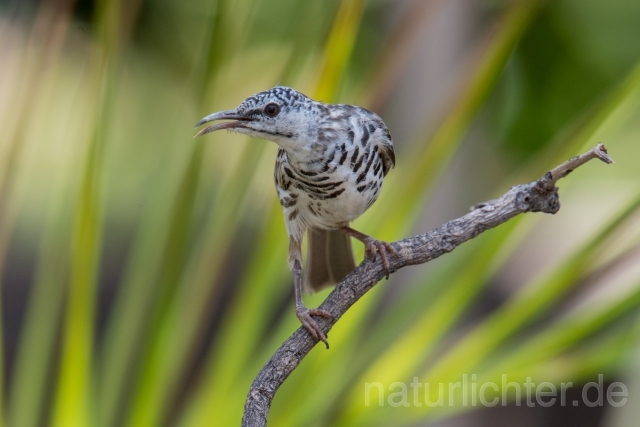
[[105, 192]]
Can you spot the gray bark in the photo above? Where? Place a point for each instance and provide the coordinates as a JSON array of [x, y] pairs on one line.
[[538, 196]]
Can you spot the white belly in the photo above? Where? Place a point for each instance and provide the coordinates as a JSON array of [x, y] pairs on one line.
[[339, 211]]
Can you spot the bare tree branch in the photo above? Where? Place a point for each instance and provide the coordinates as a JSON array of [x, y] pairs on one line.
[[538, 196]]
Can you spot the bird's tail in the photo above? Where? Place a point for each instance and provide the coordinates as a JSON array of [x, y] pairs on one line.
[[329, 258]]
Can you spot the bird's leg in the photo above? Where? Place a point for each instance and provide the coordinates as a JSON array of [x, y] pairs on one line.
[[302, 312], [371, 246]]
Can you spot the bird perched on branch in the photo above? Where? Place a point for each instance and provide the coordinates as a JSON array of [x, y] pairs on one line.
[[329, 170]]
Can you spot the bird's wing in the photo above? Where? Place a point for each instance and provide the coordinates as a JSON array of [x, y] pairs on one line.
[[388, 157]]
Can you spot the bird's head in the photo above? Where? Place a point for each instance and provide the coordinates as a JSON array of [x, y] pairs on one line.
[[281, 114]]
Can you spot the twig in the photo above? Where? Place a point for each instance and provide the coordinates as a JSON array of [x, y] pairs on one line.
[[538, 196]]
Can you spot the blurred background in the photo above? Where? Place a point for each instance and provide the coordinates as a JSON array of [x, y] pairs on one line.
[[144, 275]]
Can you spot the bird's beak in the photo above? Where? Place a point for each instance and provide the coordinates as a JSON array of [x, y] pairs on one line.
[[223, 115]]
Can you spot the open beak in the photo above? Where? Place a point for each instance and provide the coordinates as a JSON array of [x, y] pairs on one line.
[[223, 115]]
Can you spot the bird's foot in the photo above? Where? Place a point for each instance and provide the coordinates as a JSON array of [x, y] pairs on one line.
[[373, 246], [304, 315]]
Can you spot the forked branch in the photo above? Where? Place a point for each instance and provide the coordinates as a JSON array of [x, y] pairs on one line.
[[538, 196]]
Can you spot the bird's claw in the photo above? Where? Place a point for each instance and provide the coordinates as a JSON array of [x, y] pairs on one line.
[[373, 246], [304, 315]]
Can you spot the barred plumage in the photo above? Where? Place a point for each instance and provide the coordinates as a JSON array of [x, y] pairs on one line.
[[329, 170]]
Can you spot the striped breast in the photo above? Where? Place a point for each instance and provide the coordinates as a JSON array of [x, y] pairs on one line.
[[332, 191]]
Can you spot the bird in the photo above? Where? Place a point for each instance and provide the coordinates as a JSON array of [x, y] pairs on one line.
[[329, 169]]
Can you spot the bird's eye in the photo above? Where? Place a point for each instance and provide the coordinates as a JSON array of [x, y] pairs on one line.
[[272, 110]]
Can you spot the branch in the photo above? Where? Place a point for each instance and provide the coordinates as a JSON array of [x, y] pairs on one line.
[[538, 196]]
